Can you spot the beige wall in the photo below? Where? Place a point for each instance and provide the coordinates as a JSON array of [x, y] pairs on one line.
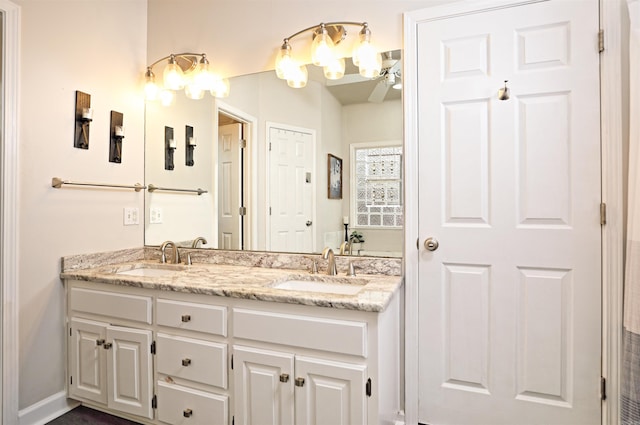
[[98, 47]]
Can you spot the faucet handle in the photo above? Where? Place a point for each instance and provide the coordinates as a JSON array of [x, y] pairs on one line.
[[352, 269], [314, 267]]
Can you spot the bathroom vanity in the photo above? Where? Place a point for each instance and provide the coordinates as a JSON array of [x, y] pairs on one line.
[[233, 343]]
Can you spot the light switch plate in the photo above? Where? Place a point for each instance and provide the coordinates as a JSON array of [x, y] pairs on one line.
[[155, 215], [131, 216]]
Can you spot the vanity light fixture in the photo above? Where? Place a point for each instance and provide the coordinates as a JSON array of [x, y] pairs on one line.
[[323, 53], [188, 71]]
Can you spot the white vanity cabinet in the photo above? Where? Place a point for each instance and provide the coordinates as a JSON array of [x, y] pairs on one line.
[[162, 357], [303, 365], [109, 362]]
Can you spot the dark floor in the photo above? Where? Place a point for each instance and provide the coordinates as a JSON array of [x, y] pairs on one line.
[[84, 416]]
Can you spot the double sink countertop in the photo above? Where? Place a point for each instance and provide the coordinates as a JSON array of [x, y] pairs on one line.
[[363, 292]]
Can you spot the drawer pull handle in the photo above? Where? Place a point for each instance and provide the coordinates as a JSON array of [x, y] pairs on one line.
[[299, 382], [186, 318], [284, 377], [187, 413], [186, 362], [99, 341], [107, 345]]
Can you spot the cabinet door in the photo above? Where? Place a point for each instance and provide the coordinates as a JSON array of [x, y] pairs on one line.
[[129, 370], [332, 393], [87, 371], [263, 386]]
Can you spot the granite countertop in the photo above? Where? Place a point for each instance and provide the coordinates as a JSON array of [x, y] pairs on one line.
[[238, 281]]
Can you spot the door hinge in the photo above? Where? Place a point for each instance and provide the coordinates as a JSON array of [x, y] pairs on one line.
[[233, 420], [269, 210], [232, 362], [603, 388], [600, 41], [242, 143], [269, 146], [70, 330], [242, 211], [368, 387], [154, 402], [153, 347], [71, 380], [603, 214]]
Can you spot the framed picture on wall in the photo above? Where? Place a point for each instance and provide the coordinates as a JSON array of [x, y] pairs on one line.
[[334, 168]]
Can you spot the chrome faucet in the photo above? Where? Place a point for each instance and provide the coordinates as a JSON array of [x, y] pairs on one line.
[[175, 254], [327, 254], [344, 246], [198, 239]]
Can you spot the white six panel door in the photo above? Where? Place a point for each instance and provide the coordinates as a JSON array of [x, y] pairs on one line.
[[510, 300], [290, 190], [229, 186]]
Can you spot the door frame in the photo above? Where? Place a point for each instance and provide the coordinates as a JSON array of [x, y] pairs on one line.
[[250, 124], [314, 177], [9, 348], [612, 195]]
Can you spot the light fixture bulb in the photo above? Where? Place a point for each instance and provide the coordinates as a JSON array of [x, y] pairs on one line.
[[370, 63], [203, 77], [220, 88], [151, 89], [298, 79], [173, 76], [364, 42], [284, 62], [322, 47], [193, 91], [334, 70], [397, 86], [166, 97]]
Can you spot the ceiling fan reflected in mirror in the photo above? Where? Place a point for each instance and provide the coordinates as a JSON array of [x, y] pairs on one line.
[[390, 77]]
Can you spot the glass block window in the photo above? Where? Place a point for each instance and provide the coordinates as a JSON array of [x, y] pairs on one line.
[[377, 185]]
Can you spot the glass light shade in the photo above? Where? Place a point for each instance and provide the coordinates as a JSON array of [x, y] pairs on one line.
[[298, 79], [335, 69], [370, 63], [284, 62], [322, 49], [151, 90], [203, 77], [173, 77], [193, 91], [166, 97], [220, 88]]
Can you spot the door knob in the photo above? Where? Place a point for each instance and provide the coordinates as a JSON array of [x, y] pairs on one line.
[[309, 223], [431, 244]]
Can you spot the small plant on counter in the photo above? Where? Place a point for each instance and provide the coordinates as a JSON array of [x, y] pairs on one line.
[[356, 237]]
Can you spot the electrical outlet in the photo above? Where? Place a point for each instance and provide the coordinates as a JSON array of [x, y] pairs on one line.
[[155, 215], [131, 216]]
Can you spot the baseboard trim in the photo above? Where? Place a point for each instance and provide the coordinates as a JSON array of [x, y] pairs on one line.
[[46, 410]]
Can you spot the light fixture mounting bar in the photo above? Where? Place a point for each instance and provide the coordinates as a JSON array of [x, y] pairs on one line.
[[328, 25], [185, 55]]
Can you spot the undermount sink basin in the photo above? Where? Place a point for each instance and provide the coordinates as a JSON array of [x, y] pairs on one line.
[[148, 270], [324, 287]]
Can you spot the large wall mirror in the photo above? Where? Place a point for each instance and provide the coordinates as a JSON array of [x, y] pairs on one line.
[[283, 169]]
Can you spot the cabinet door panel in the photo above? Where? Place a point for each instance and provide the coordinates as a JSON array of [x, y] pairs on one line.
[[333, 393], [88, 374], [261, 398], [129, 370]]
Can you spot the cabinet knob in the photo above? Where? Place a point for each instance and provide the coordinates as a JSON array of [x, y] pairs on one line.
[[284, 377], [107, 345], [187, 413], [99, 341], [186, 318], [299, 382], [186, 362]]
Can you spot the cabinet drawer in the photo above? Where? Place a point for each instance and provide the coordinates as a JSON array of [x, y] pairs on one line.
[[336, 336], [192, 316], [192, 359], [122, 306], [182, 405]]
